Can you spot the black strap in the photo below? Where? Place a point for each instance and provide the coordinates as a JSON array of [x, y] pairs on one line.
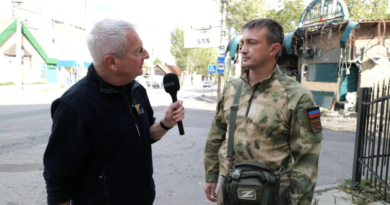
[[232, 124], [164, 127]]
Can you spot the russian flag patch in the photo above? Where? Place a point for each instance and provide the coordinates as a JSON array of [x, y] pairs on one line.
[[313, 119]]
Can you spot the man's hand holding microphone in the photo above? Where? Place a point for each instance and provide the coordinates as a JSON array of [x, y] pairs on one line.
[[175, 112]]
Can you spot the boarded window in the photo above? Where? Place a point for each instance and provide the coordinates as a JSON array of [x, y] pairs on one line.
[[325, 72]]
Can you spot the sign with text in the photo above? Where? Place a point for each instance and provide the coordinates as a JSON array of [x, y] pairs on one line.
[[220, 67], [202, 37], [221, 55]]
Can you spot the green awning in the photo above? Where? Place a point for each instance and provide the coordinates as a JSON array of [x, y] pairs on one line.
[[51, 62], [38, 48], [347, 31], [232, 47], [287, 42], [7, 32]]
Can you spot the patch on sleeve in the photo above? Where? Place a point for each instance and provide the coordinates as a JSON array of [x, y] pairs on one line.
[[313, 120]]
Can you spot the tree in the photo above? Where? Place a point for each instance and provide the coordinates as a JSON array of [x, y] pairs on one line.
[[145, 69], [367, 9], [288, 16], [239, 12], [157, 61], [191, 60], [177, 48], [206, 57]]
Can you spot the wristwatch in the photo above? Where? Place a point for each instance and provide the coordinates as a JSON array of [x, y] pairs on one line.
[[164, 127]]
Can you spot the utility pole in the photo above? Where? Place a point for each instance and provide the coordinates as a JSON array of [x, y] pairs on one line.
[[18, 46], [222, 44], [151, 77], [229, 61]]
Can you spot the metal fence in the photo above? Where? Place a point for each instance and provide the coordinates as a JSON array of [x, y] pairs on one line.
[[372, 142]]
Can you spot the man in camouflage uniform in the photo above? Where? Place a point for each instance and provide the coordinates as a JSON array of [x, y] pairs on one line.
[[272, 126]]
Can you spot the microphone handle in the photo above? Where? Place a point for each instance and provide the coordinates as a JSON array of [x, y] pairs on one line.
[[180, 123]]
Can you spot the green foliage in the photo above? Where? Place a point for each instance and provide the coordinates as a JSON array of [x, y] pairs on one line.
[[288, 16], [365, 192], [324, 111], [206, 56], [7, 83], [145, 68], [367, 9], [37, 83], [157, 61], [240, 12], [177, 48], [193, 60]]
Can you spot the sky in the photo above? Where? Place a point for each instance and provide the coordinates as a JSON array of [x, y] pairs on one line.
[[155, 19]]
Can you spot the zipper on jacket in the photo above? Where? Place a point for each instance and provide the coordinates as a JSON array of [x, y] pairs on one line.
[[135, 122], [103, 176], [128, 99], [250, 101]]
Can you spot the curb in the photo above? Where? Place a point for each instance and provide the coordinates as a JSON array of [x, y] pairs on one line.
[[339, 129], [325, 187], [205, 99]]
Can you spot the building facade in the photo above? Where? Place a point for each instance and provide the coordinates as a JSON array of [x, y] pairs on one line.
[[56, 29], [333, 56]]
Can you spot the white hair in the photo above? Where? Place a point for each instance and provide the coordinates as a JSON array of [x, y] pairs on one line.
[[108, 36]]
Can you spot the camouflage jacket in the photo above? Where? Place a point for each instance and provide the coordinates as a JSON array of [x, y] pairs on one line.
[[270, 128]]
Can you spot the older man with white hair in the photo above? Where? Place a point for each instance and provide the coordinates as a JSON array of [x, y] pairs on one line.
[[99, 151]]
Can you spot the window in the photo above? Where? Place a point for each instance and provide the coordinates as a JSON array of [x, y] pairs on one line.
[[325, 72]]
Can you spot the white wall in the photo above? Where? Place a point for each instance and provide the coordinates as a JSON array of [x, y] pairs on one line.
[[5, 9], [31, 68], [37, 64], [8, 64]]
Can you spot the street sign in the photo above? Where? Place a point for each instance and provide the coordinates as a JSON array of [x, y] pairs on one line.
[[202, 37], [220, 67], [221, 55], [212, 68]]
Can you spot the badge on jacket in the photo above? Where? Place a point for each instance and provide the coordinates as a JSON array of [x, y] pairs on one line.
[[313, 120]]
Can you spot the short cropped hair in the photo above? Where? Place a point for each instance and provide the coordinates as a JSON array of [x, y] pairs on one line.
[[275, 30], [108, 36]]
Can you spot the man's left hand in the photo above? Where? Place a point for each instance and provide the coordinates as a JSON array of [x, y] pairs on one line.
[[174, 114]]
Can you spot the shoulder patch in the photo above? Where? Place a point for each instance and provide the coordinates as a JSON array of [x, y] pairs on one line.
[[313, 120]]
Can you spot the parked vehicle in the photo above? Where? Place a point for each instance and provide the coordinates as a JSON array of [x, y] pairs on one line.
[[206, 84], [141, 80], [155, 84]]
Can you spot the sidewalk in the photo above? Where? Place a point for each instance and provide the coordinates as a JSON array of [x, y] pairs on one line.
[[37, 96], [333, 121], [330, 195], [339, 123]]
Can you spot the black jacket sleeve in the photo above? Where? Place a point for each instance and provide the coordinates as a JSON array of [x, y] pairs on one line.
[[66, 152]]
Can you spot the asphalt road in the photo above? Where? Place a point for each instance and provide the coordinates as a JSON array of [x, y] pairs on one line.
[[25, 125]]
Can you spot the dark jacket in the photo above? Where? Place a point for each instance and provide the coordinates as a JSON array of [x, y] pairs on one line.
[[95, 154]]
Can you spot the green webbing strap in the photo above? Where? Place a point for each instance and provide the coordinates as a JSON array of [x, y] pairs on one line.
[[264, 200], [232, 124], [233, 194]]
